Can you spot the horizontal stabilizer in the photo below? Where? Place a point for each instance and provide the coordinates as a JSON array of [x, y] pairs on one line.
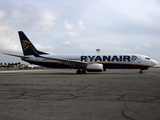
[[16, 55]]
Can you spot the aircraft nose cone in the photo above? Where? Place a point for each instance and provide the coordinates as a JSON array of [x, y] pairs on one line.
[[154, 62]]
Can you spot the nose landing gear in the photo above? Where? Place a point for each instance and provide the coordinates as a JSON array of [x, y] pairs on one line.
[[141, 72]]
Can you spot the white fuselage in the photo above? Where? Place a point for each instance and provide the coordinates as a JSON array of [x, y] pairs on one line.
[[108, 60]]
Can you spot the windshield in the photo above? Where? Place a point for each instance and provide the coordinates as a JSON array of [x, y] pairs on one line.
[[147, 58]]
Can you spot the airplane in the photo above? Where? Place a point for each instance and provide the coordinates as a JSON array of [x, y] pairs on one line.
[[83, 63]]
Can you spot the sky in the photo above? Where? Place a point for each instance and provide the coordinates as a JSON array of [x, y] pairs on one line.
[[81, 26]]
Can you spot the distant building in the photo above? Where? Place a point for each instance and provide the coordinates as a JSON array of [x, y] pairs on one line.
[[8, 66]]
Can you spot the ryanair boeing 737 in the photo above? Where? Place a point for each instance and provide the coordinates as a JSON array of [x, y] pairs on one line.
[[83, 63]]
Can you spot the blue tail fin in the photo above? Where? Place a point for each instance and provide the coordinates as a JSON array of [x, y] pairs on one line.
[[27, 47]]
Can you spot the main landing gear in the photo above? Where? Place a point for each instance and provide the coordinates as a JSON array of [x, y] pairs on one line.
[[141, 72], [79, 71]]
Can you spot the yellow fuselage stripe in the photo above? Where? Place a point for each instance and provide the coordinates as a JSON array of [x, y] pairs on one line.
[[94, 69], [120, 63]]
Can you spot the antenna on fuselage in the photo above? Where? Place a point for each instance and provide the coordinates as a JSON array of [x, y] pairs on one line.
[[98, 50]]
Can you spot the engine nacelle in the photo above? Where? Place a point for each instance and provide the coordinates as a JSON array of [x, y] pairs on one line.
[[95, 67]]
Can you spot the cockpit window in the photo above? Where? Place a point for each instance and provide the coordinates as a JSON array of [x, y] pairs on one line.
[[147, 58]]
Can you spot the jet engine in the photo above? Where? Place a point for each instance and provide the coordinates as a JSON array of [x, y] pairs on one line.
[[94, 67]]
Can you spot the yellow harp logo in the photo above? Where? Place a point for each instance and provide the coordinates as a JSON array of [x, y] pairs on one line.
[[25, 44]]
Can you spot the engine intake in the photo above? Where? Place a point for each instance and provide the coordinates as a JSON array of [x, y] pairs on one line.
[[94, 67]]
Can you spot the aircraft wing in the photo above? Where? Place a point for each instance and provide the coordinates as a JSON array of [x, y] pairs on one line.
[[16, 55], [66, 62]]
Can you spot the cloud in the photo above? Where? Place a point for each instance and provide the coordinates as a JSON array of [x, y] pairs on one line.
[[123, 17], [146, 44], [31, 18], [44, 49], [66, 43], [2, 14], [73, 34], [80, 23], [68, 26], [46, 19], [136, 47], [9, 41]]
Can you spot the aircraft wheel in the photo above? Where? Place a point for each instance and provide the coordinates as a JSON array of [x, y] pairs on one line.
[[79, 71], [84, 71], [140, 72]]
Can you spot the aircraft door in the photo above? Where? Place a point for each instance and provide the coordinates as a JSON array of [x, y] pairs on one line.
[[139, 59]]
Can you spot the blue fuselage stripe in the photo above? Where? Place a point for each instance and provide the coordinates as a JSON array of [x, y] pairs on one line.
[[105, 65]]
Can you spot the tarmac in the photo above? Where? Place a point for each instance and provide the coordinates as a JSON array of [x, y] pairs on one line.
[[55, 94]]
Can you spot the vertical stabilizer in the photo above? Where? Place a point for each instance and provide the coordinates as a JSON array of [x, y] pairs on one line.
[[27, 47]]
